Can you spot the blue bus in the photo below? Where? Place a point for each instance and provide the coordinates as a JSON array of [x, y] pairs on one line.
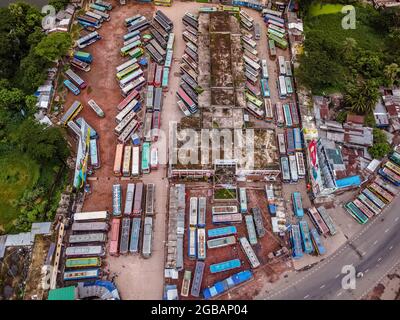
[[305, 236], [287, 114], [224, 266], [297, 139], [265, 88], [73, 88], [295, 239], [316, 240], [297, 204], [356, 213], [390, 176], [373, 198], [243, 200], [221, 232]]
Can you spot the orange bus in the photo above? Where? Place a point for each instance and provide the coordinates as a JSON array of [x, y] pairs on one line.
[[118, 159], [114, 241]]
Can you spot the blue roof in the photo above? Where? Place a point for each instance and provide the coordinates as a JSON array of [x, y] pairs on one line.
[[348, 182]]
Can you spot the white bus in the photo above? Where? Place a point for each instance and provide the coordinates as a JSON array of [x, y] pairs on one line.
[[281, 143], [138, 83], [131, 105], [293, 168], [249, 42], [264, 68], [124, 123], [96, 108], [130, 191], [131, 128], [282, 87], [282, 65], [130, 78], [301, 168], [251, 63], [125, 65], [135, 160], [90, 215]]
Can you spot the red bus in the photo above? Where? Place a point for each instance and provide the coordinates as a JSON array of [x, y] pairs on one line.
[[118, 159], [114, 239], [185, 98], [133, 95], [318, 221]]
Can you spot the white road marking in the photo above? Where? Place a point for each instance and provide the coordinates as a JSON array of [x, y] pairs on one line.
[[321, 287], [375, 242], [379, 259], [391, 247], [339, 293], [337, 276], [306, 296], [386, 230]]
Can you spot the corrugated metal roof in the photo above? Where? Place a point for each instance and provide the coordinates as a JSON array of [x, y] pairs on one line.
[[66, 293], [20, 239], [2, 245], [348, 182]]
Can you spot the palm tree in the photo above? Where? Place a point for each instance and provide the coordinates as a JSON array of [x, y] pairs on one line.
[[348, 46], [362, 97], [391, 71]]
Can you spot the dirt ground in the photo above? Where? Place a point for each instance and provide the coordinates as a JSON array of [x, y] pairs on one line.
[[388, 288], [269, 243]]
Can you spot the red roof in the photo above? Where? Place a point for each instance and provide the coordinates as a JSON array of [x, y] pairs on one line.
[[353, 118]]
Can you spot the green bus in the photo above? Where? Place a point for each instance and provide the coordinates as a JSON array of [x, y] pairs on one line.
[[83, 262], [146, 157], [125, 50], [136, 53], [254, 100], [127, 71], [281, 43], [276, 33]]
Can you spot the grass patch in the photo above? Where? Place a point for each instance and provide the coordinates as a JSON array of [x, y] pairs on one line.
[[319, 9], [18, 173], [225, 194]]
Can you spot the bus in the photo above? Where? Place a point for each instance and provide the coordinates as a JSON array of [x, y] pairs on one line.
[[94, 155], [264, 67], [159, 38], [317, 220], [276, 34], [132, 19], [295, 115], [73, 88], [305, 236], [257, 31], [189, 21], [118, 159], [390, 176], [301, 167], [133, 67], [316, 241], [250, 254], [276, 28], [83, 262], [250, 55], [130, 107], [87, 40], [395, 157], [201, 244], [87, 238], [133, 95], [363, 208], [170, 43], [227, 218], [158, 76], [224, 209], [252, 72], [90, 216], [149, 98], [130, 191], [280, 117], [104, 4], [258, 222], [288, 115], [220, 232], [268, 17], [190, 62], [288, 83], [119, 129], [156, 56], [251, 230], [356, 213], [185, 98], [251, 78], [285, 169], [117, 200], [290, 149], [163, 24], [251, 63], [125, 231], [247, 24], [80, 65], [147, 237], [293, 168], [297, 204], [390, 165], [137, 204], [93, 15], [168, 59], [297, 139], [83, 56], [185, 69], [381, 193], [186, 283], [135, 235], [193, 211], [146, 157], [114, 239], [126, 163], [281, 143], [104, 15], [158, 99], [71, 113], [131, 35], [81, 251], [136, 53], [254, 100], [160, 30], [288, 69], [249, 42], [89, 226], [224, 266], [371, 196], [147, 127], [96, 108], [272, 12], [281, 43], [243, 200], [158, 48], [245, 16], [269, 112], [130, 78], [135, 161], [388, 187], [165, 78], [221, 242], [139, 25], [265, 88], [79, 275], [192, 241], [370, 205], [272, 48], [254, 110], [295, 239], [136, 84], [328, 220], [150, 193], [201, 221], [281, 64], [127, 132], [156, 122], [282, 87], [197, 278], [189, 81]]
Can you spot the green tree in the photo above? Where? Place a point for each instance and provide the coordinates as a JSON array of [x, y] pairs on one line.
[[391, 71], [362, 98], [54, 46], [58, 4], [348, 48], [380, 147]]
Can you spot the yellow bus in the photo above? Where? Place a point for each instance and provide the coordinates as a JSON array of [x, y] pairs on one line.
[[71, 113]]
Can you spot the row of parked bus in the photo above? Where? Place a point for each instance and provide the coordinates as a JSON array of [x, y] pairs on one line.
[[304, 240], [187, 94], [276, 32], [86, 246], [131, 161], [382, 191], [293, 167], [92, 19], [287, 115]]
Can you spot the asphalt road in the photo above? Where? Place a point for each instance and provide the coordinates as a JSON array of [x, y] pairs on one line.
[[375, 251]]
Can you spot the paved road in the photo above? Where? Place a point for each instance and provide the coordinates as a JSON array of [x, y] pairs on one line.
[[375, 251]]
